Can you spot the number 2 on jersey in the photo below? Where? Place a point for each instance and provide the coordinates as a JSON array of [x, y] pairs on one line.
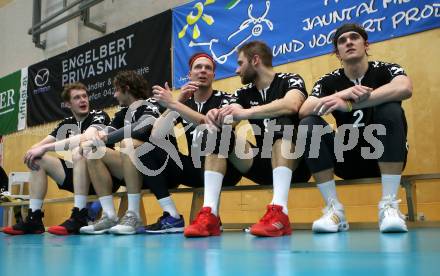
[[360, 115]]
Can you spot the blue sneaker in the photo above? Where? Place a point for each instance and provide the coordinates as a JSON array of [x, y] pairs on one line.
[[166, 224], [94, 210]]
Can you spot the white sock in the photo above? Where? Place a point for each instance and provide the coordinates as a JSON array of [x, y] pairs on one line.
[[213, 187], [107, 206], [390, 184], [281, 186], [80, 201], [133, 203], [167, 205], [35, 204], [328, 192]]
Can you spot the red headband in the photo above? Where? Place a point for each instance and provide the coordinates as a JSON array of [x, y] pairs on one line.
[[199, 55]]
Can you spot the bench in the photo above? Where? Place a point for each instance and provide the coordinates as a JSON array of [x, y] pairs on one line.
[[408, 182]]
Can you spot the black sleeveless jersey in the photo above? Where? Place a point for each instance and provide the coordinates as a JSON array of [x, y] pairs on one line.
[[70, 126], [127, 115], [217, 100], [249, 96], [378, 74]]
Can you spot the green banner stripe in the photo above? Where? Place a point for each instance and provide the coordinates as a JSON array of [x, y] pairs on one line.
[[10, 96]]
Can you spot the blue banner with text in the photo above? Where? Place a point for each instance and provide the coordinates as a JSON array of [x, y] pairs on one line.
[[293, 29]]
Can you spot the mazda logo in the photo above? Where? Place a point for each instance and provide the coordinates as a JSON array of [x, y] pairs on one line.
[[42, 77]]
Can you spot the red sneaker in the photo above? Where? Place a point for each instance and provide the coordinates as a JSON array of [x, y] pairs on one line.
[[273, 224], [33, 224], [71, 226], [206, 224]]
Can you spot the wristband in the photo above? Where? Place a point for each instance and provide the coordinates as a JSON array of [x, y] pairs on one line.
[[349, 105]]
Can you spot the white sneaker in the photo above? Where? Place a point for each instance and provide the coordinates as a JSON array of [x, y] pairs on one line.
[[390, 218], [129, 224], [332, 221], [101, 226]]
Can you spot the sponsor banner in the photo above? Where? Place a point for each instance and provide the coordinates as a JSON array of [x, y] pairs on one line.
[[293, 29], [143, 47], [13, 92]]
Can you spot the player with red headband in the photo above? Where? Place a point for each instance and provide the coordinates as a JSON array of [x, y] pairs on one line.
[[197, 97]]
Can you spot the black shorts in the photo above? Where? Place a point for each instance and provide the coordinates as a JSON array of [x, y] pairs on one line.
[[172, 175], [67, 184], [355, 166]]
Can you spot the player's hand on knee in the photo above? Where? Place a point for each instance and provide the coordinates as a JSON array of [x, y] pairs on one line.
[[32, 156], [225, 113], [329, 104], [87, 148], [211, 118], [357, 93], [102, 135]]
